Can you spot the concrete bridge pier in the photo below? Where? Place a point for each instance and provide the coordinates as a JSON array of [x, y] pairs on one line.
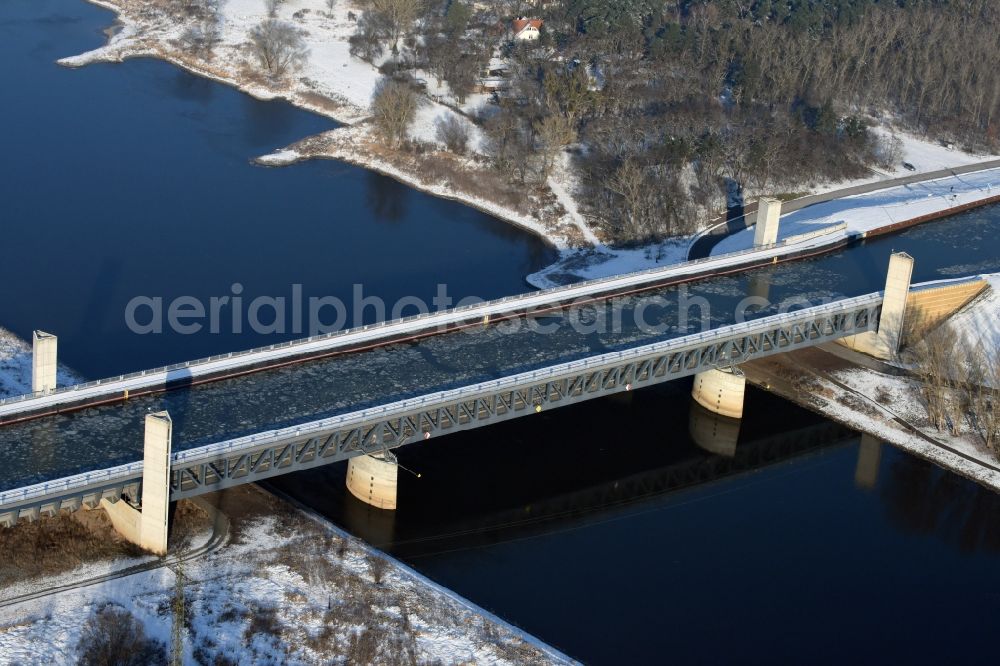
[[721, 391], [766, 229], [44, 362], [147, 526], [373, 479], [885, 344]]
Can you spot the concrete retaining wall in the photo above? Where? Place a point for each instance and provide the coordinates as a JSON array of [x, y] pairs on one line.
[[928, 308]]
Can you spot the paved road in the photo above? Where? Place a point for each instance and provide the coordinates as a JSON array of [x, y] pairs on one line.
[[702, 247]]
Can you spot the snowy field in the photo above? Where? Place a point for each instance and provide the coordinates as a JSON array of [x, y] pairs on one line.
[[980, 323], [289, 589], [866, 212]]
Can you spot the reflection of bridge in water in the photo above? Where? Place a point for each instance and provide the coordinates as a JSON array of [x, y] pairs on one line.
[[539, 515], [366, 435]]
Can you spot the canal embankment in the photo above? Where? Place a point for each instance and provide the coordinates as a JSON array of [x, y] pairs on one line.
[[887, 400]]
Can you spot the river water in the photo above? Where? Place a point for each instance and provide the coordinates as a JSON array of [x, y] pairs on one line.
[[135, 180], [605, 528]]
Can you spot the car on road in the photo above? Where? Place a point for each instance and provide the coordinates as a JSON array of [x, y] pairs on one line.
[[909, 167]]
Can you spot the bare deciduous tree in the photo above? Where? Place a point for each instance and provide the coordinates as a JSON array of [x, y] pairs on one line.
[[206, 33], [378, 566], [629, 183], [112, 635], [393, 108], [887, 149], [453, 132], [399, 16], [272, 7], [554, 132], [278, 46], [984, 397], [935, 362], [365, 42]]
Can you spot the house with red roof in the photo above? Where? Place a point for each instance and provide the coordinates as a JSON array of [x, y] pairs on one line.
[[526, 29]]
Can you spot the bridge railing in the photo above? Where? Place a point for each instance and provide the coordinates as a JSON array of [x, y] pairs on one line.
[[595, 285], [492, 386], [133, 471], [128, 472], [551, 295]]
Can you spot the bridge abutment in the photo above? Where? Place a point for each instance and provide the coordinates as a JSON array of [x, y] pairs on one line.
[[373, 480], [768, 216], [147, 527], [44, 361], [720, 391], [885, 344]]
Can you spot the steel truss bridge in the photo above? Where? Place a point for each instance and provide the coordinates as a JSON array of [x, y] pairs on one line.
[[375, 430]]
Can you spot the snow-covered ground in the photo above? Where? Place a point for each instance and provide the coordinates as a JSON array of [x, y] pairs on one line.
[[15, 367], [333, 83], [980, 322], [887, 397], [867, 212], [924, 156], [314, 582], [878, 399]]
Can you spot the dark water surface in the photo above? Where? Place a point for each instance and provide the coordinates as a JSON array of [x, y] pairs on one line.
[[125, 180], [112, 434], [606, 529]]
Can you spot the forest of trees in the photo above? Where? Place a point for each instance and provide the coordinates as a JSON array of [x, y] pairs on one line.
[[668, 104]]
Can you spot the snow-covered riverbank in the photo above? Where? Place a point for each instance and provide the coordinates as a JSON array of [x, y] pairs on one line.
[[288, 588], [333, 83], [15, 367], [887, 405], [867, 213]]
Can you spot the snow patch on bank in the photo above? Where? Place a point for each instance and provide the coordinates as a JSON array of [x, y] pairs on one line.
[[15, 367], [294, 567], [900, 397], [980, 322]]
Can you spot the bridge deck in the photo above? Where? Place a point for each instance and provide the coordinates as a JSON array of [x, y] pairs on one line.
[[61, 445], [101, 437]]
